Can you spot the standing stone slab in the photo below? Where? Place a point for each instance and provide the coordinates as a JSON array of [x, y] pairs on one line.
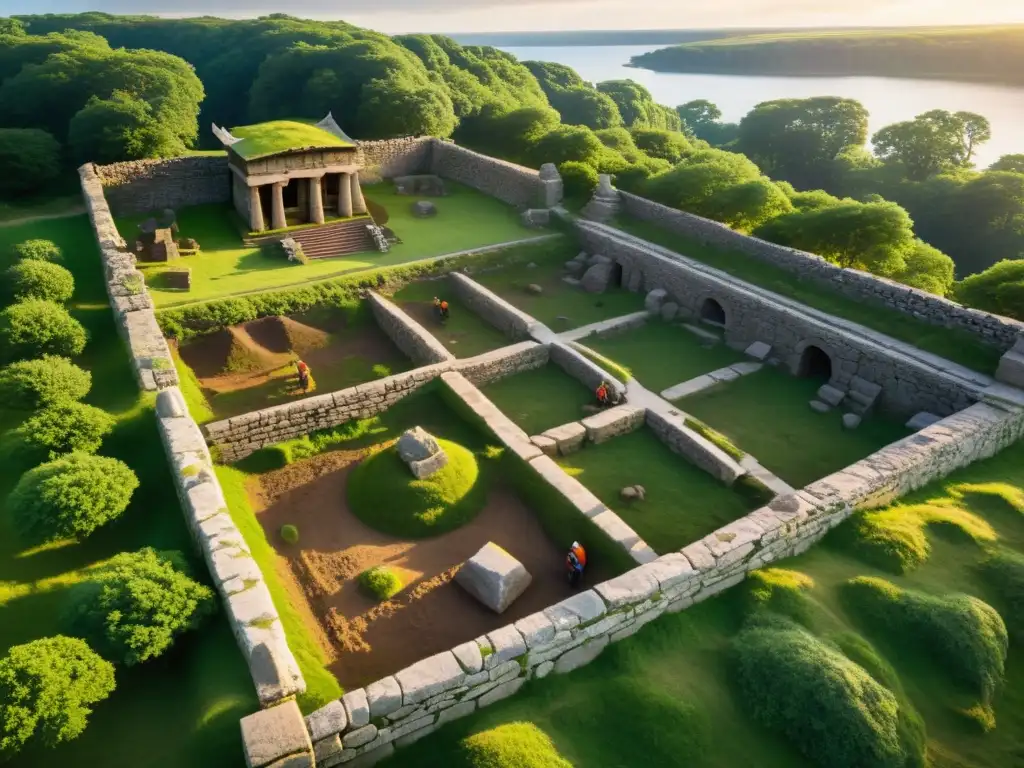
[[506, 643], [568, 437], [356, 707], [493, 577], [274, 734]]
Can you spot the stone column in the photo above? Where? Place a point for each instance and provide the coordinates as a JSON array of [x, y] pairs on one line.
[[277, 217], [344, 195], [255, 211], [358, 203], [316, 201]]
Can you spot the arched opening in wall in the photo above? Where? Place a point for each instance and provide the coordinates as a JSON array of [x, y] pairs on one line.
[[815, 364], [615, 279], [712, 313]]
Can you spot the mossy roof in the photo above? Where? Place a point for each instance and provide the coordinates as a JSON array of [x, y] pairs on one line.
[[277, 136]]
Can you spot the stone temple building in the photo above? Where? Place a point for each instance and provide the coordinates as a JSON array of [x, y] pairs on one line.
[[287, 172]]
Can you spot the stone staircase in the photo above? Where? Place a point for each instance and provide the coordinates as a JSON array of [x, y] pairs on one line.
[[335, 239], [861, 397]]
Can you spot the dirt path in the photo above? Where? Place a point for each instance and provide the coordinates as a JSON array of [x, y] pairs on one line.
[[432, 614], [74, 211]]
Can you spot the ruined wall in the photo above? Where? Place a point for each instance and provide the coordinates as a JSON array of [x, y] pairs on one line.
[[142, 186], [696, 448], [495, 310], [418, 344], [512, 183], [582, 368], [998, 331], [393, 157], [911, 381]]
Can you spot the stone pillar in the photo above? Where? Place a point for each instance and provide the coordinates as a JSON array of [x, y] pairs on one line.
[[344, 195], [316, 201], [255, 211], [358, 203], [277, 217]]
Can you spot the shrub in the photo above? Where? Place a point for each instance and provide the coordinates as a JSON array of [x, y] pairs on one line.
[[38, 327], [831, 709], [46, 687], [70, 497], [132, 608], [383, 493], [38, 250], [1004, 572], [32, 383], [29, 159], [64, 427], [963, 634], [579, 180], [666, 145], [380, 582], [512, 745], [36, 279], [780, 591], [999, 289], [290, 533]]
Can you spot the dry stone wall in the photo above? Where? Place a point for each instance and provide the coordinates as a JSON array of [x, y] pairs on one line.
[[402, 708], [393, 157], [141, 186], [581, 368], [495, 310], [515, 184], [696, 448], [418, 344], [911, 381], [991, 329]]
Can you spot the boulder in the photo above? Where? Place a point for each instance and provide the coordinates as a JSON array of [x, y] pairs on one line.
[[851, 420], [424, 209], [820, 407], [654, 300], [534, 288], [628, 493], [493, 577], [571, 281], [597, 277], [669, 310], [417, 444], [641, 492], [429, 465]]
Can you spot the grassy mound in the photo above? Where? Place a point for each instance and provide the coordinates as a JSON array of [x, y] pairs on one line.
[[383, 493], [780, 591], [380, 582], [514, 745], [830, 708], [963, 634], [1004, 572]]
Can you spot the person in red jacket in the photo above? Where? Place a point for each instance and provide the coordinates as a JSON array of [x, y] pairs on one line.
[[575, 562], [603, 398]]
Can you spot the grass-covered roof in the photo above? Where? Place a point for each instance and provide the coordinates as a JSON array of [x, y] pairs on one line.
[[276, 136]]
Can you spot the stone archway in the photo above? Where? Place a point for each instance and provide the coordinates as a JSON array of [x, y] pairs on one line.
[[815, 363], [712, 312]]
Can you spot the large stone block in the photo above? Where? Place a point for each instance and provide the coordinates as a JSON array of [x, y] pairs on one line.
[[329, 719], [568, 437], [597, 278], [493, 577], [578, 609], [356, 708], [429, 677], [580, 656], [273, 734]]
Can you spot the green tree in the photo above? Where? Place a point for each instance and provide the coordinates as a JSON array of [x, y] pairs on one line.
[[1012, 163], [657, 142], [115, 129], [932, 142], [568, 142], [134, 606], [62, 427], [70, 497], [36, 279], [38, 327], [578, 179], [42, 250], [29, 160], [47, 688], [637, 106], [999, 289], [699, 115], [577, 101], [30, 384]]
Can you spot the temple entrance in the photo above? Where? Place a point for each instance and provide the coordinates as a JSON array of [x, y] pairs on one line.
[[815, 364]]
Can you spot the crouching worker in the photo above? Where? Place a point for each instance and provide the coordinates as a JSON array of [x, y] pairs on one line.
[[303, 370], [441, 308], [603, 394], [575, 562]]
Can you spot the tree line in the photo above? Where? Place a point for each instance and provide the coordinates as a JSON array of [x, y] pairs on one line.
[[796, 171]]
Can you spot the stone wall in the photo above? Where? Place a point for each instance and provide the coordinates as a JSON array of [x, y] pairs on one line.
[[694, 447], [911, 380], [495, 310], [141, 186], [239, 436], [515, 184], [402, 708], [393, 157], [998, 331], [581, 368], [418, 344]]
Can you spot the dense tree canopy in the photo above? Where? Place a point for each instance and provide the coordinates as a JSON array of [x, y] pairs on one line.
[[578, 102], [29, 160], [1014, 163], [932, 142], [637, 106]]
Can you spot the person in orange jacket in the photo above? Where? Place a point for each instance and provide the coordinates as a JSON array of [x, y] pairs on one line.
[[575, 562], [303, 370], [602, 394]]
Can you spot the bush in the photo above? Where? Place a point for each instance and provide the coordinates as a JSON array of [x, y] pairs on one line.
[[290, 533], [37, 279], [132, 608], [38, 250], [963, 634], [780, 591], [29, 159], [63, 427], [831, 709], [383, 493], [512, 745], [37, 327], [579, 180], [666, 145], [380, 582], [999, 289], [32, 383], [46, 687], [567, 142], [1003, 570], [70, 497]]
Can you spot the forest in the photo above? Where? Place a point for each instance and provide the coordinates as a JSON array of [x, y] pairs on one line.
[[102, 88]]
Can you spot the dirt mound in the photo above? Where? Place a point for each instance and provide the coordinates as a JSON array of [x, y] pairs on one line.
[[283, 335], [247, 355]]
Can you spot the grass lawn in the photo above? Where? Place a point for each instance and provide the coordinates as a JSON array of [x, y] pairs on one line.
[[466, 219], [665, 696], [276, 136], [540, 399], [767, 414], [958, 346], [683, 503], [660, 355], [558, 299], [188, 701], [465, 334]]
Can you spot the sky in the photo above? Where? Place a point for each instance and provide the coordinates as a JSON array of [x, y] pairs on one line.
[[400, 16]]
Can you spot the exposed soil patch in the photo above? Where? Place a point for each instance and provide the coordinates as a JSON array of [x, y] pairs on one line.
[[431, 614]]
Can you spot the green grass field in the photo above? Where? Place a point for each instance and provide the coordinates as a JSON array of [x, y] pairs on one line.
[[540, 399], [465, 334], [660, 355], [665, 697], [466, 219], [683, 503], [183, 708], [958, 346], [767, 414], [558, 299]]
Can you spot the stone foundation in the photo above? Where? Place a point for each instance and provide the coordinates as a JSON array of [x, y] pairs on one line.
[[418, 344], [694, 447], [514, 184]]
